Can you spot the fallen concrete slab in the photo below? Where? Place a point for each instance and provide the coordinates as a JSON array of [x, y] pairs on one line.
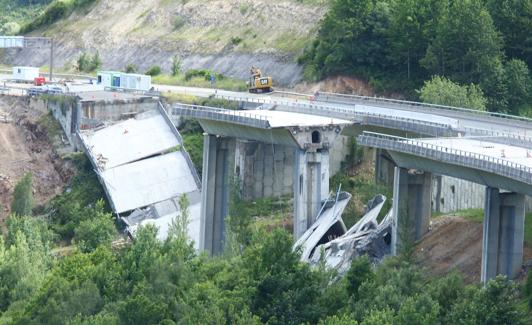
[[144, 169]]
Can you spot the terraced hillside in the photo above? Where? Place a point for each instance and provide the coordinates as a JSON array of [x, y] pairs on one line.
[[226, 35]]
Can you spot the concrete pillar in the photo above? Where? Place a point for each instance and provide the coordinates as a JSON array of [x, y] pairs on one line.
[[311, 187], [215, 193], [411, 207], [503, 237]]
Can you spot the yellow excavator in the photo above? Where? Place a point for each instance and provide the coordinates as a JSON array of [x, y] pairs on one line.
[[259, 84]]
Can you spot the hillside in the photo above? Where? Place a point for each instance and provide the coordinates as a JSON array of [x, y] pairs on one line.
[[226, 35]]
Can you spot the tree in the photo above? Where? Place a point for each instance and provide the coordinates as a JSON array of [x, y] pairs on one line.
[[176, 65], [178, 229], [442, 91], [518, 84], [351, 39], [493, 304], [97, 230], [360, 272], [513, 18], [464, 38], [418, 310], [22, 203]]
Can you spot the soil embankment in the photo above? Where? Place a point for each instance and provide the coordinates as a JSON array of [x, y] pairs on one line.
[[25, 147], [455, 243]]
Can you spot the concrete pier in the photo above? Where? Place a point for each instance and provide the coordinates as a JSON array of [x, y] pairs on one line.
[[502, 243], [215, 193], [311, 187], [411, 207]]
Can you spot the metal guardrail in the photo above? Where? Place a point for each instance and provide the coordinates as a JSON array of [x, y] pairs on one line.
[[407, 124], [219, 114], [366, 118], [463, 158], [351, 98]]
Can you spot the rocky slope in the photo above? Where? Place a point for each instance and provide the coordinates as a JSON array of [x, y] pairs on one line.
[[225, 35]]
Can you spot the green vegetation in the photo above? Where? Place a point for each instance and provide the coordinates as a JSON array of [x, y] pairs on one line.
[[99, 229], [397, 45], [154, 282], [16, 13], [67, 210], [154, 71], [200, 78], [358, 179], [440, 90], [89, 63], [22, 204], [131, 68], [56, 10], [176, 65]]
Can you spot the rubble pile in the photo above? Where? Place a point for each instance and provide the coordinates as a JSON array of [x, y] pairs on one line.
[[327, 241]]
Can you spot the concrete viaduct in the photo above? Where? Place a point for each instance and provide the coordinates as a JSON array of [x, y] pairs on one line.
[[486, 148]]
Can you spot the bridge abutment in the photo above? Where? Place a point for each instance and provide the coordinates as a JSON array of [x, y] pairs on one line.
[[503, 236], [411, 207]]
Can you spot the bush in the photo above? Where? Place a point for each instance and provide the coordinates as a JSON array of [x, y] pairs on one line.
[[178, 22], [23, 197], [154, 71], [205, 73], [131, 68], [88, 63], [236, 40]]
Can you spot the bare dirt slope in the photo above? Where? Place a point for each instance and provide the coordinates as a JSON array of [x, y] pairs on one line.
[[24, 147], [454, 243], [227, 35]]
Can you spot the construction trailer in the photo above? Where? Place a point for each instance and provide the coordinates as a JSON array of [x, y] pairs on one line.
[[121, 80], [25, 73]]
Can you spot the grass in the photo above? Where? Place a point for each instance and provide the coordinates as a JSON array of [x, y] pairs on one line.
[[226, 83]]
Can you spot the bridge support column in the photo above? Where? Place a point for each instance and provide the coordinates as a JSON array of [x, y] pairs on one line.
[[411, 207], [311, 187], [502, 243], [215, 193]]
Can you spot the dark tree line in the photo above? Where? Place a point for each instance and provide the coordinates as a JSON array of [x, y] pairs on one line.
[[398, 44]]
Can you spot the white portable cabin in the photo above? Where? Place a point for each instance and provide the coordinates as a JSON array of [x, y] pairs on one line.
[[25, 73], [105, 78], [135, 81], [121, 80]]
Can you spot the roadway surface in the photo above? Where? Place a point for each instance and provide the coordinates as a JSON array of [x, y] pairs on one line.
[[466, 121], [462, 119]]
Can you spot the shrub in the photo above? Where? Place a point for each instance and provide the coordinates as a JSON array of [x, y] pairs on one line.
[[236, 40], [154, 71], [88, 63], [131, 68], [23, 197], [176, 65], [178, 22]]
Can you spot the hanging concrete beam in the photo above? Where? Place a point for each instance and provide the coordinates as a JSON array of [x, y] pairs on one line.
[[411, 207], [503, 237]]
